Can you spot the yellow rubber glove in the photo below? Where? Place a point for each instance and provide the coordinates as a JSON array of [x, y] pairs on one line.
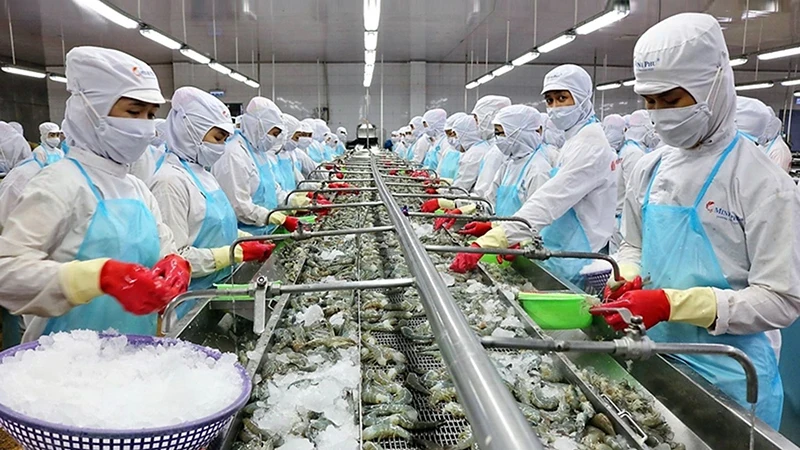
[[697, 306], [628, 271], [468, 208], [447, 180], [494, 238], [299, 201], [446, 204], [277, 218], [80, 280], [242, 234], [222, 256]]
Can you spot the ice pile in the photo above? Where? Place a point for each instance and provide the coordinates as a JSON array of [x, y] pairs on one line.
[[80, 380]]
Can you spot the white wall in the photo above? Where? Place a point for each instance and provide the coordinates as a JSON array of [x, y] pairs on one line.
[[408, 89]]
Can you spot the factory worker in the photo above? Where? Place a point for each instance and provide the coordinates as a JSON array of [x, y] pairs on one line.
[[484, 112], [321, 128], [193, 205], [470, 139], [342, 134], [17, 127], [701, 220], [450, 155], [49, 150], [89, 264], [574, 210], [13, 148], [552, 140], [759, 124], [295, 148], [430, 147], [331, 144], [395, 137], [640, 131], [244, 171], [316, 149], [401, 149], [415, 132], [629, 152]]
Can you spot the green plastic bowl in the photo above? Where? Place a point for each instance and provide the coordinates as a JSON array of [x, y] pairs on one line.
[[556, 311]]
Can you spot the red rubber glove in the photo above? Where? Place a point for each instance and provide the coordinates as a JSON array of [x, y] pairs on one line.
[[343, 186], [652, 305], [339, 175], [509, 258], [431, 191], [393, 172], [319, 196], [330, 167], [135, 287], [420, 174], [465, 262], [446, 222], [175, 271], [256, 251], [323, 202], [430, 206], [476, 229], [290, 223], [628, 286]]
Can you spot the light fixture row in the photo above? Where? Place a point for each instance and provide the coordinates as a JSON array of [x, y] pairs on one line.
[[124, 20], [616, 11], [372, 19], [739, 87]]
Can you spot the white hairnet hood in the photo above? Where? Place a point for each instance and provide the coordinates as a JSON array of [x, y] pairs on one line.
[[17, 127], [688, 50], [435, 119], [572, 78], [320, 128], [261, 115], [193, 114], [486, 109], [520, 123], [96, 79], [467, 131], [416, 121], [13, 147], [290, 124], [46, 128], [448, 125], [753, 117], [614, 127]]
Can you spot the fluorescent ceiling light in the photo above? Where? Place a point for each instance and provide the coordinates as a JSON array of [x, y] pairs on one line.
[[603, 21], [370, 40], [790, 82], [219, 68], [754, 86], [502, 70], [472, 85], [238, 77], [252, 83], [57, 78], [797, 94], [559, 41], [629, 83], [191, 54], [367, 79], [780, 53], [608, 86], [160, 38], [111, 13], [526, 58], [24, 72], [369, 56], [372, 14], [738, 61], [486, 78]]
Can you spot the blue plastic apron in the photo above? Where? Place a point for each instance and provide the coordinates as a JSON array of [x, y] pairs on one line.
[[52, 156], [410, 152], [448, 168], [316, 153], [122, 229], [264, 195], [30, 160], [340, 149], [284, 172], [677, 254], [508, 201], [431, 160], [218, 230], [65, 147]]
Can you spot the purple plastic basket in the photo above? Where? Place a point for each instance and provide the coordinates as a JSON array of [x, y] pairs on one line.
[[36, 434], [595, 282]]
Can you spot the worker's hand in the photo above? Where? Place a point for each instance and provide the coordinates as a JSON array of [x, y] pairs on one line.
[[435, 204], [319, 197], [331, 167], [290, 223], [421, 174], [256, 251], [446, 222], [339, 175], [466, 262], [136, 287], [393, 172], [627, 286], [175, 271], [476, 229], [343, 186], [509, 258], [431, 191], [652, 305], [323, 212]]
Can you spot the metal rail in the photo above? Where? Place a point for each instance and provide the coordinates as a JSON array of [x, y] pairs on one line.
[[497, 422], [475, 218], [320, 208]]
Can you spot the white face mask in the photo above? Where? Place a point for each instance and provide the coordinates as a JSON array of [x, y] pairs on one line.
[[504, 144], [266, 143], [430, 132], [124, 139], [304, 142], [52, 142], [209, 153], [453, 141], [682, 127], [566, 117]]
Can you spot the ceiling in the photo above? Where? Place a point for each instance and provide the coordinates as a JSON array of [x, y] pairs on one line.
[[418, 30]]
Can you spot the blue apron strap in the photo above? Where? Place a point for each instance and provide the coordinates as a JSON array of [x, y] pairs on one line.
[[88, 180], [524, 169], [714, 171], [634, 143], [650, 184], [194, 177], [772, 143]]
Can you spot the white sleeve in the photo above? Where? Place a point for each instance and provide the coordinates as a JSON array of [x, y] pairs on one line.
[[234, 178], [10, 193], [173, 199], [580, 174], [467, 173], [772, 299]]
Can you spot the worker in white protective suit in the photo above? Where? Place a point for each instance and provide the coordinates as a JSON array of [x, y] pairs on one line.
[[13, 148], [194, 206], [757, 122], [341, 133], [628, 154], [415, 138], [484, 112], [103, 258], [552, 140], [401, 149], [574, 210], [246, 175], [433, 122], [450, 167], [709, 219], [49, 150], [316, 149], [331, 143], [151, 160], [303, 165]]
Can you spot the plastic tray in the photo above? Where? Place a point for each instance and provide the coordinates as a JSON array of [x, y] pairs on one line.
[[556, 311]]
